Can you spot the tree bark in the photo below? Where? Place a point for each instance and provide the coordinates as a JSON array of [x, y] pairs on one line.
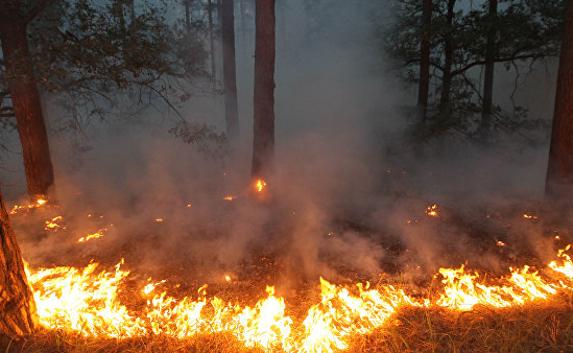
[[229, 69], [559, 182], [264, 115], [27, 106], [490, 56], [424, 84], [445, 98], [17, 309]]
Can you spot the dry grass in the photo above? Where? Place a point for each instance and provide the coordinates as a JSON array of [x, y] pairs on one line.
[[545, 328]]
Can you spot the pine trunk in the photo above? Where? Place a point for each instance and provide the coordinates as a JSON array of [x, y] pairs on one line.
[[264, 115], [559, 182], [424, 84], [489, 67], [445, 98], [229, 69], [27, 107], [16, 300]]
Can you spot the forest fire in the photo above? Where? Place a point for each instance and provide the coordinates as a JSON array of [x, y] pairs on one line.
[[260, 185], [87, 301]]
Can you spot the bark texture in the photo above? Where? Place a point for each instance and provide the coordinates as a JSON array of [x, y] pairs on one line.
[[16, 301], [230, 69], [559, 181], [264, 115], [27, 105]]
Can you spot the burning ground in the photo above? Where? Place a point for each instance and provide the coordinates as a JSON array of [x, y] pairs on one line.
[[93, 291]]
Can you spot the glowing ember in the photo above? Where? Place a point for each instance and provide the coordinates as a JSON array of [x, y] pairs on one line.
[[96, 235], [432, 211], [229, 198], [529, 216], [260, 185], [54, 224], [159, 220], [20, 208], [500, 243]]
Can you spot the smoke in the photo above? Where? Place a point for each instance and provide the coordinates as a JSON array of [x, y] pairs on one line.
[[349, 195]]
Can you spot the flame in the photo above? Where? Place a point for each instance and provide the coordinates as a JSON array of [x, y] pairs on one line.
[[95, 235], [432, 211], [87, 301], [260, 185], [40, 202], [54, 224]]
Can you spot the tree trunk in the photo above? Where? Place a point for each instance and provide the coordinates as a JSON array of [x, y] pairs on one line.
[[229, 69], [559, 182], [187, 4], [490, 56], [17, 308], [445, 99], [211, 38], [264, 115], [424, 84], [27, 107]]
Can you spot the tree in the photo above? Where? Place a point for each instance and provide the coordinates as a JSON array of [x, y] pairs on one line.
[[24, 94], [16, 301], [490, 56], [559, 182], [425, 50], [449, 52], [229, 69], [264, 115], [520, 34]]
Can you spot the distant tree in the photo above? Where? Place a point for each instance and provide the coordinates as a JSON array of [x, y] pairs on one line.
[[559, 181], [264, 115], [20, 82], [89, 54], [490, 55], [229, 69], [17, 306], [467, 37], [425, 51]]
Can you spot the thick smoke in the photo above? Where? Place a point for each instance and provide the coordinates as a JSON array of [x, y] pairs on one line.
[[349, 196]]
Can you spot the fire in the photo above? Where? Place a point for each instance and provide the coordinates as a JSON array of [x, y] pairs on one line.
[[96, 235], [260, 185], [229, 198], [529, 216], [54, 224], [87, 301], [432, 211], [40, 202]]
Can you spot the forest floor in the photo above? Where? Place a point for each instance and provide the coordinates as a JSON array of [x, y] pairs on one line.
[[545, 326]]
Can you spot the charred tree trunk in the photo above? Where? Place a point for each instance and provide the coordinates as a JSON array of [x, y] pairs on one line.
[[559, 182], [264, 115], [27, 106], [229, 69], [211, 38], [490, 56], [445, 98], [17, 308], [424, 85]]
